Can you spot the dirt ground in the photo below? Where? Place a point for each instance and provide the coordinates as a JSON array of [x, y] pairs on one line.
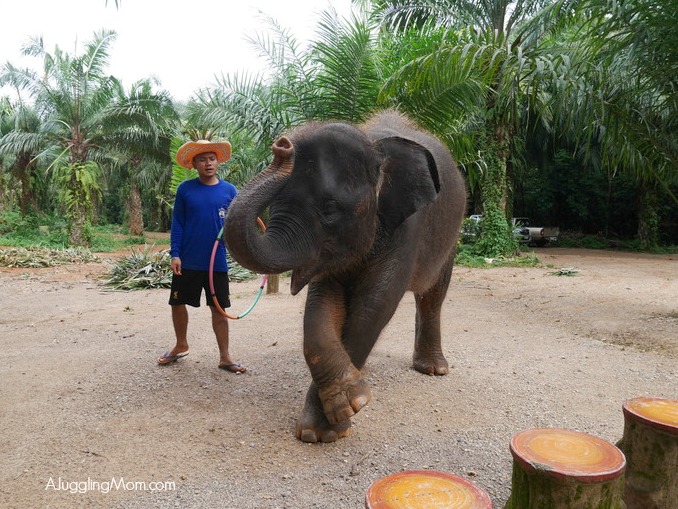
[[89, 420]]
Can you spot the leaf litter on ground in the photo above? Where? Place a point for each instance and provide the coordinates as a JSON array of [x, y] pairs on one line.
[[37, 257], [149, 268], [565, 271]]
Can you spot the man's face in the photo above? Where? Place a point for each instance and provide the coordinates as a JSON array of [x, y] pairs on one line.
[[206, 164]]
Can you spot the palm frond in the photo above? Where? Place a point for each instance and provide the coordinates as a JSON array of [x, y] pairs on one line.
[[349, 74]]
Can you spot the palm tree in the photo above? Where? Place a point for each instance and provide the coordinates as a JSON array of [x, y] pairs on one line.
[[627, 106], [139, 126], [6, 126], [479, 80], [71, 95], [88, 123], [23, 124], [337, 78]]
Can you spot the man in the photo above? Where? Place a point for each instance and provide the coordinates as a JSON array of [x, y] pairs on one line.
[[198, 216]]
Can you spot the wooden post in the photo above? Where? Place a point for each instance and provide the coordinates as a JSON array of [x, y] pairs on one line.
[[425, 489], [650, 443], [273, 283], [562, 469]]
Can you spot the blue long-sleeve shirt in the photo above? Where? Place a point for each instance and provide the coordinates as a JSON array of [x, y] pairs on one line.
[[198, 215]]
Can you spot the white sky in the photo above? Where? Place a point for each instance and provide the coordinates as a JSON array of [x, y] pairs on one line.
[[184, 43]]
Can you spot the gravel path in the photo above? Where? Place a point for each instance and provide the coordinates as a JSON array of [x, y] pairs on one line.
[[85, 408]]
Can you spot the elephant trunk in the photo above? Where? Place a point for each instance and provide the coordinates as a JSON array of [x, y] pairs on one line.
[[270, 252]]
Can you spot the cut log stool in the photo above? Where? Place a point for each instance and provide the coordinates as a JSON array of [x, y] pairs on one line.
[[650, 443], [425, 489], [558, 469]]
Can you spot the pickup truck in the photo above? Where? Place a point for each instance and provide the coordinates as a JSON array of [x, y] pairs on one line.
[[534, 235]]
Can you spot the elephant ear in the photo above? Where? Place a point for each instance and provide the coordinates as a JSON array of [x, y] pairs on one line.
[[409, 180]]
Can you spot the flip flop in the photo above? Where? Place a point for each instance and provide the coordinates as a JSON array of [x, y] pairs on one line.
[[233, 368], [168, 359]]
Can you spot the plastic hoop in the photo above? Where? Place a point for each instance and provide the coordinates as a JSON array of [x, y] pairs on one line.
[[211, 279]]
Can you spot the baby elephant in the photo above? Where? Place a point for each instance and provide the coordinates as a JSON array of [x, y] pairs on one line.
[[360, 214]]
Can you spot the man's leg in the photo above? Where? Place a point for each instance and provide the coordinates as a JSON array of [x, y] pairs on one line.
[[220, 327], [180, 322]]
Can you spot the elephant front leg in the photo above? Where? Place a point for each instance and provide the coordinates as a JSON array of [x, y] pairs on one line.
[[339, 390]]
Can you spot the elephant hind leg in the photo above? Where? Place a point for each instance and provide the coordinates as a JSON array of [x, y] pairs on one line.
[[428, 355], [313, 426]]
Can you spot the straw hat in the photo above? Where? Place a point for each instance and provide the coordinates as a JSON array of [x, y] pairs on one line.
[[189, 150]]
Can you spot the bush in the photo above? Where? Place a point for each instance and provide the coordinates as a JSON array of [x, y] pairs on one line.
[[33, 230]]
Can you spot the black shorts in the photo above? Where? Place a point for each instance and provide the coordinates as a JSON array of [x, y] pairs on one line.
[[186, 289]]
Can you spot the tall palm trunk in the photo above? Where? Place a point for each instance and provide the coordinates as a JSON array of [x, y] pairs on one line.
[[77, 235], [3, 188], [135, 209], [23, 167], [80, 192]]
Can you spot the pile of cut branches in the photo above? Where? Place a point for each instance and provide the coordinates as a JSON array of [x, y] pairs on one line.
[[142, 269], [148, 268], [37, 257]]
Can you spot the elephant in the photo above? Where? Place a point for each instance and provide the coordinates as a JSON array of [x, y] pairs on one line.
[[360, 214]]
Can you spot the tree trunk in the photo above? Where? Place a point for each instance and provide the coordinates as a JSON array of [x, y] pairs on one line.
[[24, 168], [78, 212], [135, 209], [650, 443], [3, 189], [562, 469], [648, 217], [496, 238], [425, 488], [77, 235]]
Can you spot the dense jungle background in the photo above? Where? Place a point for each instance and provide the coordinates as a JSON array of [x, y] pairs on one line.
[[563, 111]]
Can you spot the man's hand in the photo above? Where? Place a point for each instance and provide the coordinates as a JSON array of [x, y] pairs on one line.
[[175, 265]]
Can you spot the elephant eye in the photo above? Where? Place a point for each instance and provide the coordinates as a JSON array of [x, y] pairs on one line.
[[331, 211]]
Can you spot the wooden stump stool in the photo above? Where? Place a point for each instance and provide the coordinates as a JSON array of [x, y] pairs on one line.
[[650, 443], [559, 469], [425, 489]]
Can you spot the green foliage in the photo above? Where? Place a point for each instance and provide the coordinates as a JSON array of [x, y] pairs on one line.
[[496, 235], [349, 70], [467, 257], [33, 230], [79, 187], [52, 232], [577, 99], [79, 190], [470, 230], [87, 126], [15, 222], [179, 173]]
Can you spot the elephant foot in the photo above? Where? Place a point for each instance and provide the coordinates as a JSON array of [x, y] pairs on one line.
[[313, 427], [327, 412], [431, 364], [341, 399]]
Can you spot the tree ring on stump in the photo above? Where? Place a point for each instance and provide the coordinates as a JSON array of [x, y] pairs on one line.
[[566, 454], [425, 489], [655, 412]]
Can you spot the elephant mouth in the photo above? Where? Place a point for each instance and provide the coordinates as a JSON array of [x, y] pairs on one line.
[[300, 278], [304, 274]]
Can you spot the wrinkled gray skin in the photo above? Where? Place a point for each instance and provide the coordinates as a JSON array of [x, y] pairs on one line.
[[361, 215]]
